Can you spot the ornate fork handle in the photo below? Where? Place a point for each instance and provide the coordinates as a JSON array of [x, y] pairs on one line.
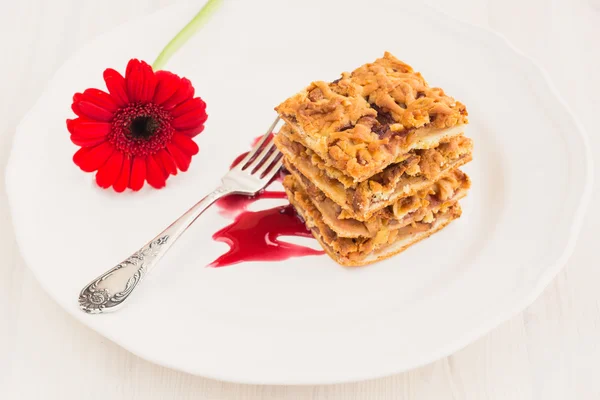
[[110, 290]]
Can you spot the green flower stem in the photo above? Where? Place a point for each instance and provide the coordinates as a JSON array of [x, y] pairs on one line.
[[186, 33]]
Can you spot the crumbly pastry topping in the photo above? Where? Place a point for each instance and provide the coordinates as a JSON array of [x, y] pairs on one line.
[[366, 119]]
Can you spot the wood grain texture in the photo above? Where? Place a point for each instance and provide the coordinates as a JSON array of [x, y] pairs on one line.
[[549, 351]]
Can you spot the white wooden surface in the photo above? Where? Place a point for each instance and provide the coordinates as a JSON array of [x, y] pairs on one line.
[[550, 351]]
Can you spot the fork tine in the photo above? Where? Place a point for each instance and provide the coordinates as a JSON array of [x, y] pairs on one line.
[[269, 175], [265, 165], [258, 160], [258, 145]]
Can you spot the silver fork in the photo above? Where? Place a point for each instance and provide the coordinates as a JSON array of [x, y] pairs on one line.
[[110, 290]]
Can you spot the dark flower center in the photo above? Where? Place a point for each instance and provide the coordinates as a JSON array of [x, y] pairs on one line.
[[143, 127]]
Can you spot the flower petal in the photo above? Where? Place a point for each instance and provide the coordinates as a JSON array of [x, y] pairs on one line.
[[189, 120], [140, 81], [181, 159], [154, 174], [109, 172], [193, 131], [89, 159], [101, 99], [138, 173], [92, 111], [76, 110], [163, 169], [75, 106], [87, 141], [71, 124], [88, 129], [115, 83], [184, 92], [185, 144], [195, 105], [149, 83], [165, 159], [133, 82], [123, 180], [166, 86]]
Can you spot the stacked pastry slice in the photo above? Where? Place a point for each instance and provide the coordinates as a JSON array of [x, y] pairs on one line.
[[374, 160]]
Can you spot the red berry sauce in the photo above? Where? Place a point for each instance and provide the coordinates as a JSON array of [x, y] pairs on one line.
[[254, 236]]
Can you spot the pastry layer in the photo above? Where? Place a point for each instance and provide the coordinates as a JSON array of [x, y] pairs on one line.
[[418, 170], [442, 193], [361, 251], [364, 121]]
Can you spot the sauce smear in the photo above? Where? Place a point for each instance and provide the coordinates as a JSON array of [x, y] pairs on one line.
[[254, 235]]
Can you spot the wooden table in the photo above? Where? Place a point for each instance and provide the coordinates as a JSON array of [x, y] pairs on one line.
[[549, 351]]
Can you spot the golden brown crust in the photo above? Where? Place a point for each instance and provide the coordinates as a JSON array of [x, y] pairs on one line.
[[365, 120], [361, 251], [419, 169]]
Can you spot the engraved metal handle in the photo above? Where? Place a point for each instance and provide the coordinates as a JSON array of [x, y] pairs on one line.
[[110, 290]]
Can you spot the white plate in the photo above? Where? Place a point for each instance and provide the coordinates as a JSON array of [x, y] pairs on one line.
[[307, 320]]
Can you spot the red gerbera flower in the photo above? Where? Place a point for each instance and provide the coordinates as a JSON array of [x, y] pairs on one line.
[[141, 130]]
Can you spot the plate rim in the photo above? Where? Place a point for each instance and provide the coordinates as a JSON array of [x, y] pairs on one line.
[[522, 62]]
